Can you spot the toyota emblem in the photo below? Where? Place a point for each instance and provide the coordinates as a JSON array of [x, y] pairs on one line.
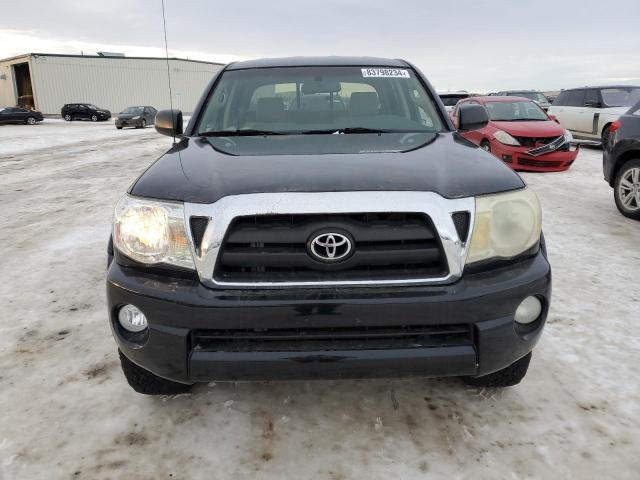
[[330, 247]]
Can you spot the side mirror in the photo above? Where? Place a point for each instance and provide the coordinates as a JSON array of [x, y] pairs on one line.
[[472, 116], [169, 122]]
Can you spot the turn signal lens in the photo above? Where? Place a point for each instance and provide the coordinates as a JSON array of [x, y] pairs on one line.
[[615, 126]]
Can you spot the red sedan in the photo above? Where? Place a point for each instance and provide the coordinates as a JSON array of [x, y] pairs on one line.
[[521, 134]]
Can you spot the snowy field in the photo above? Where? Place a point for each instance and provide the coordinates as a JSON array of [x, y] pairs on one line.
[[67, 411]]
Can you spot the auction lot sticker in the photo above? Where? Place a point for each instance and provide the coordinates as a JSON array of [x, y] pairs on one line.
[[385, 72]]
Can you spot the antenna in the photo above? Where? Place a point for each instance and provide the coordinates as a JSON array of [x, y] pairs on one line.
[[166, 51]]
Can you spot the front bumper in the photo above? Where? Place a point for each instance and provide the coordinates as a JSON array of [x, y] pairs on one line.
[[177, 308], [127, 122], [518, 159]]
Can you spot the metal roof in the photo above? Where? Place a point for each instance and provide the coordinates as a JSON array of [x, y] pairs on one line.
[[103, 57], [499, 98], [600, 86], [330, 61]]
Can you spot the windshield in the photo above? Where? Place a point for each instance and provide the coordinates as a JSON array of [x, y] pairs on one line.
[[535, 96], [298, 100], [620, 97], [451, 100], [517, 111], [133, 111], [90, 105]]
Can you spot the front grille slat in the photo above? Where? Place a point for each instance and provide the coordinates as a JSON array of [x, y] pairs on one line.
[[300, 234], [387, 246], [539, 163], [241, 257], [328, 339]]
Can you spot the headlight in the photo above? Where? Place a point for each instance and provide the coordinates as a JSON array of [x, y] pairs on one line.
[[151, 232], [506, 225], [504, 137], [567, 136], [137, 117]]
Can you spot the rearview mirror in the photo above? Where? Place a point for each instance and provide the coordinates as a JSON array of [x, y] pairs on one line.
[[169, 122], [472, 116], [320, 87]]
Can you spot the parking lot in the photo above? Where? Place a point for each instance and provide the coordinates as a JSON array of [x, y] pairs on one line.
[[67, 411]]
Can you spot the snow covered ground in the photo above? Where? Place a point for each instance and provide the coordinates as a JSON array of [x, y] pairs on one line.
[[67, 412]]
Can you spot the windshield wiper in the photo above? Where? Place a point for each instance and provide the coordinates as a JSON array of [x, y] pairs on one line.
[[518, 119], [247, 132], [349, 130]]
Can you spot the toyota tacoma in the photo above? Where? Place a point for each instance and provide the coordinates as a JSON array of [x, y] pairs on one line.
[[322, 218]]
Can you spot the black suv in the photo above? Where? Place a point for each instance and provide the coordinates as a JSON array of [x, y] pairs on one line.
[[297, 240], [84, 111], [621, 162]]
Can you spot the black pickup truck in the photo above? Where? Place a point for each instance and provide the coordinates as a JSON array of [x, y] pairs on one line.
[[322, 218]]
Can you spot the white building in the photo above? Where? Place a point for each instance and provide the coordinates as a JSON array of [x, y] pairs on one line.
[[48, 81]]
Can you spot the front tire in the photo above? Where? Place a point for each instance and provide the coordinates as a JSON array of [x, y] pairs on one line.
[[626, 189], [31, 121], [94, 118], [507, 377], [485, 145], [145, 382]]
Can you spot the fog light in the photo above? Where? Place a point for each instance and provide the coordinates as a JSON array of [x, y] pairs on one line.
[[529, 310], [132, 319]]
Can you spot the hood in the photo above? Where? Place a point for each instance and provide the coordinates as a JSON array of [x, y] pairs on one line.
[[201, 170], [615, 110], [547, 128]]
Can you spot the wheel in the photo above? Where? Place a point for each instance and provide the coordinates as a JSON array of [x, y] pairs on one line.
[[67, 117], [626, 189], [507, 377], [143, 123], [119, 128], [31, 121], [605, 136], [143, 381], [485, 145], [94, 118]]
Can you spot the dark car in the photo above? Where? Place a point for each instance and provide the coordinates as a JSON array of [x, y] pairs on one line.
[[279, 242], [19, 115], [621, 162], [84, 111], [138, 117], [534, 95], [449, 99]]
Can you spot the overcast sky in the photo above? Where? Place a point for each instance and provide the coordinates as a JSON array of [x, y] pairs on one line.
[[476, 45]]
